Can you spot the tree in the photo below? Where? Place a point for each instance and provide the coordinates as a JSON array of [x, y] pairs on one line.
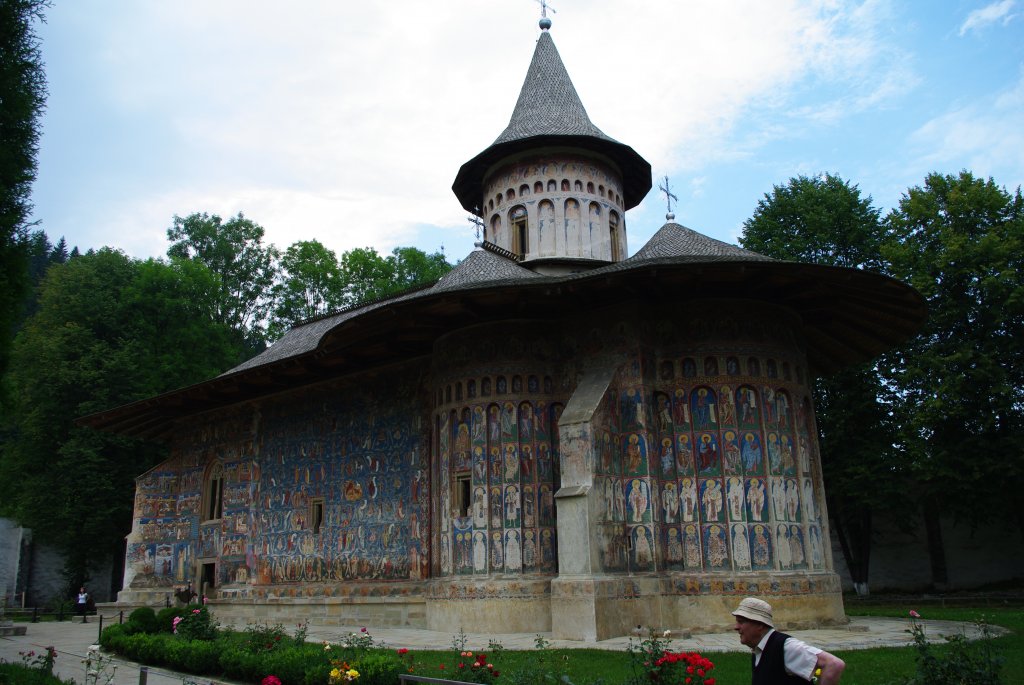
[[960, 241], [311, 285], [825, 220], [233, 250], [109, 330], [22, 99], [368, 276]]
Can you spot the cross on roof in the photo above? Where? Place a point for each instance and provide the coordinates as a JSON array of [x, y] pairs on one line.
[[669, 196], [476, 221], [544, 7]]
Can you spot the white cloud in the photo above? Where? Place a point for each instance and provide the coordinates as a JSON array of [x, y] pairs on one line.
[[984, 137], [349, 121], [988, 15]]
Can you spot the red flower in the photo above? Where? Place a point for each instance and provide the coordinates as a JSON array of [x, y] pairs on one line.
[[709, 681], [403, 650]]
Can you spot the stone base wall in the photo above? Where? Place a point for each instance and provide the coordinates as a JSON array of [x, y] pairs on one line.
[[518, 605], [403, 612], [602, 607]]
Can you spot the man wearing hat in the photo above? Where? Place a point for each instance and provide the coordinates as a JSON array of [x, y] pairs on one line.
[[779, 659]]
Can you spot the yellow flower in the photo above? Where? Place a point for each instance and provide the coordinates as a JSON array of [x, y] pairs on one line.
[[352, 674], [335, 673]]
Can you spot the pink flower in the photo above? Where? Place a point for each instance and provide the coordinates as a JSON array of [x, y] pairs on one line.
[[362, 630], [271, 680], [914, 614]]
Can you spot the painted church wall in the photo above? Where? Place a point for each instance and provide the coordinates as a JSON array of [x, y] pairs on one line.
[[321, 487], [708, 462]]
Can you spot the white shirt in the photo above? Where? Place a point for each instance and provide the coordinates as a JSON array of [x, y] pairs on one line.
[[799, 658]]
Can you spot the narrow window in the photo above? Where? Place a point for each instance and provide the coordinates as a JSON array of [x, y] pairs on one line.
[[316, 514], [520, 231], [460, 495], [613, 229], [538, 187], [214, 493]]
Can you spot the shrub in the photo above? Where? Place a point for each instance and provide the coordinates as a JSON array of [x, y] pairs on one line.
[[239, 664], [144, 620], [165, 618], [963, 662], [200, 657], [113, 638], [197, 624], [260, 637], [24, 675]]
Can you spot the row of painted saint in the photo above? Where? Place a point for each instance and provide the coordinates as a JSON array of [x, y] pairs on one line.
[[707, 500], [712, 547], [704, 408], [468, 551]]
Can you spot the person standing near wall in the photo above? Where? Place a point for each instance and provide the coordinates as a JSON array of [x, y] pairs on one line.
[[82, 601], [777, 658]]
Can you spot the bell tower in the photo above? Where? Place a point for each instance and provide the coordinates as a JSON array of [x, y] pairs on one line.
[[553, 189]]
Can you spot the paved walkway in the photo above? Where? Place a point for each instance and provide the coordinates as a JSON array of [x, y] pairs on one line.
[[73, 638]]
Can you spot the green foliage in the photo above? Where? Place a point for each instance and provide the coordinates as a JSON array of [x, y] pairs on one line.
[[165, 618], [311, 284], [960, 241], [368, 276], [962, 662], [109, 330], [197, 624], [23, 94], [19, 674], [144, 620], [824, 219], [379, 668], [261, 637], [245, 268]]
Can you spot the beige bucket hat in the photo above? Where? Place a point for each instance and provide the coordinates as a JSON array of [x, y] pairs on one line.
[[755, 610]]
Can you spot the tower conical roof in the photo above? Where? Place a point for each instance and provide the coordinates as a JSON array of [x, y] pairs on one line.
[[549, 113]]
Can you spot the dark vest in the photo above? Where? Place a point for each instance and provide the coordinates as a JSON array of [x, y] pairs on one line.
[[772, 668]]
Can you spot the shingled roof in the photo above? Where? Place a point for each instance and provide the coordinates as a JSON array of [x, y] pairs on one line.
[[549, 113]]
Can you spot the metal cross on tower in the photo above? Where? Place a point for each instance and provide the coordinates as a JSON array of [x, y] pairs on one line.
[[669, 196], [476, 221], [544, 7]]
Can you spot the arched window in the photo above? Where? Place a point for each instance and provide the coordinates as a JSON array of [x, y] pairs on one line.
[[511, 194], [520, 231], [538, 187], [495, 228], [524, 190], [578, 185], [213, 493], [565, 185], [590, 187], [613, 235], [600, 191], [552, 186]]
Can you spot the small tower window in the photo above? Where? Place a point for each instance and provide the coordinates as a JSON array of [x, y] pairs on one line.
[[613, 231], [524, 190], [565, 185], [511, 194], [578, 185], [552, 186], [538, 187], [520, 231]]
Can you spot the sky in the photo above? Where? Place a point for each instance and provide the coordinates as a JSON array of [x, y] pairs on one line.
[[346, 122]]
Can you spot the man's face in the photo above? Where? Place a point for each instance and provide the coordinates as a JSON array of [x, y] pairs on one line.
[[750, 632]]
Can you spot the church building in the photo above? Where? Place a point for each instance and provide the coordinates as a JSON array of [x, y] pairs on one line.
[[555, 436]]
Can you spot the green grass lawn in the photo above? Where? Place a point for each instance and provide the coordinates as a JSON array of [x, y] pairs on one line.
[[864, 667]]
